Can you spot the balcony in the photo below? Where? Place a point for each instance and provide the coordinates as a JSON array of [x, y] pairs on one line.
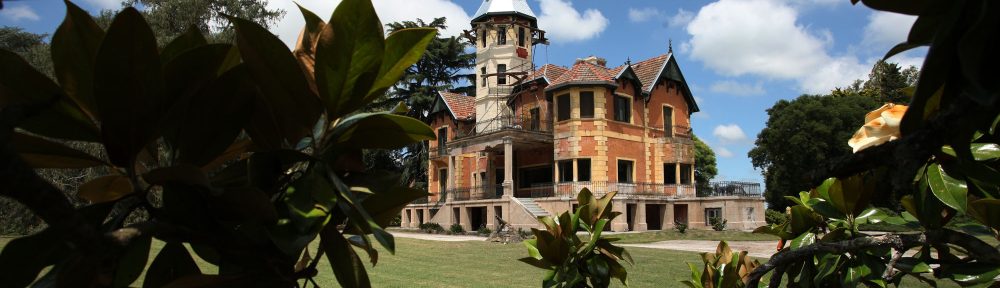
[[525, 123], [477, 192], [437, 152], [644, 189]]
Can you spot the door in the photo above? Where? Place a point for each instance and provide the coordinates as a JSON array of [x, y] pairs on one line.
[[499, 178], [681, 213]]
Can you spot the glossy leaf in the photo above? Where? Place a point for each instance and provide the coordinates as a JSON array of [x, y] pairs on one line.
[[226, 103], [286, 107], [129, 88], [348, 57], [912, 7], [403, 48], [980, 151], [380, 131], [987, 212], [184, 174], [346, 264], [23, 258], [133, 261], [952, 192], [106, 188], [803, 240], [188, 40], [42, 153], [21, 84], [74, 51]]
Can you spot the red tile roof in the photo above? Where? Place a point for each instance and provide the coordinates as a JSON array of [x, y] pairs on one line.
[[648, 69], [549, 71], [584, 72], [462, 107]]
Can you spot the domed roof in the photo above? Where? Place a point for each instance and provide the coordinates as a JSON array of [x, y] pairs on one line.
[[504, 7]]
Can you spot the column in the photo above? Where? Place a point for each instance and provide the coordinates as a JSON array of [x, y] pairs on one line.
[[508, 166], [640, 217], [620, 223], [451, 178], [404, 218]]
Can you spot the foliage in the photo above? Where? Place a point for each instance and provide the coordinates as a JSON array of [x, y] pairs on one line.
[[681, 227], [456, 229], [723, 269], [171, 18], [245, 152], [800, 134], [483, 230], [718, 223], [774, 217], [431, 227], [704, 162], [571, 261], [887, 83]]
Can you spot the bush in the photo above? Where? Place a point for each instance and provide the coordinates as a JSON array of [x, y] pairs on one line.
[[431, 227], [456, 229], [718, 223], [774, 217], [681, 227], [483, 230], [525, 234]]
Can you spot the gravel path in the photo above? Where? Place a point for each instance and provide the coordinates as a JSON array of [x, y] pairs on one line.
[[761, 249], [437, 237]]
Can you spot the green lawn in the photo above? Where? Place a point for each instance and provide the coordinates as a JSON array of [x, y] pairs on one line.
[[421, 263], [728, 235]]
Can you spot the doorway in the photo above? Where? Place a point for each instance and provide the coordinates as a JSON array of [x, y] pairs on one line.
[[654, 216], [681, 213], [477, 217]]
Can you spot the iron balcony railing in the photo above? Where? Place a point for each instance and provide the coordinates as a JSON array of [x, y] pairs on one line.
[[644, 189], [522, 122], [440, 151], [477, 192]]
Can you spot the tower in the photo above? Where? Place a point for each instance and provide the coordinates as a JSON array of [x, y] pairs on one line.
[[505, 32]]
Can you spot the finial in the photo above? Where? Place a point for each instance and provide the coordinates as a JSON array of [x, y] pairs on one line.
[[670, 46], [628, 61]]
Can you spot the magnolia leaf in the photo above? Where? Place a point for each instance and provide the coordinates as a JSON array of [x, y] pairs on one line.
[[106, 188], [42, 153], [74, 50], [172, 263], [188, 40], [133, 261], [346, 264], [952, 192], [348, 57]]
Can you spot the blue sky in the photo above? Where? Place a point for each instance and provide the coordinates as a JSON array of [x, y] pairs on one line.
[[739, 56]]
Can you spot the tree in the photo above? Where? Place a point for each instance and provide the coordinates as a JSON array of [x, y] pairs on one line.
[[886, 83], [942, 165], [704, 162], [234, 150], [799, 135], [170, 18], [440, 69]]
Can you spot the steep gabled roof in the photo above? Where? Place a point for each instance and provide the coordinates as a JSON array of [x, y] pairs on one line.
[[460, 107], [583, 72], [548, 72], [648, 70], [651, 70]]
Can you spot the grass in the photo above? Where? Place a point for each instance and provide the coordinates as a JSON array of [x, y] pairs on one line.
[[422, 263], [728, 235]]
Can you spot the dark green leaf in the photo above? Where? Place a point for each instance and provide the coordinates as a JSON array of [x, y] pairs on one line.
[[213, 120], [348, 57], [106, 188], [952, 192], [74, 49], [21, 84], [188, 40], [803, 240], [23, 258], [346, 264], [128, 86], [133, 261], [380, 131], [184, 174], [910, 7], [42, 153], [402, 49], [287, 107]]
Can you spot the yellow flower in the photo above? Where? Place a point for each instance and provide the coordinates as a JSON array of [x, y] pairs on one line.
[[881, 125]]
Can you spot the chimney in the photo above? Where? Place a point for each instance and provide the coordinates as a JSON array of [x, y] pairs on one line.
[[593, 60]]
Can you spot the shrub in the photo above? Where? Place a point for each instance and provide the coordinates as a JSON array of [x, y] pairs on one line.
[[569, 260], [456, 229], [525, 234], [774, 217], [483, 230], [718, 223], [255, 151], [681, 227], [431, 227], [723, 269]]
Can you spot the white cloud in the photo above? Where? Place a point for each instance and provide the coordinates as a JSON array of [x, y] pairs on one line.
[[105, 4], [723, 152], [682, 18], [729, 134], [643, 14], [16, 13], [563, 23], [764, 38], [885, 30], [388, 11], [736, 88]]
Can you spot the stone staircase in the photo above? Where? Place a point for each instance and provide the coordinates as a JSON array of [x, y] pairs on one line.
[[532, 207]]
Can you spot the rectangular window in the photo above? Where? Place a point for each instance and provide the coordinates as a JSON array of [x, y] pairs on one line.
[[587, 104], [686, 174], [670, 173], [625, 171], [582, 169], [501, 74], [521, 37], [536, 120], [712, 213], [566, 171], [482, 37], [442, 140], [623, 109], [563, 102], [502, 35], [668, 121], [482, 71], [535, 176], [442, 181]]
